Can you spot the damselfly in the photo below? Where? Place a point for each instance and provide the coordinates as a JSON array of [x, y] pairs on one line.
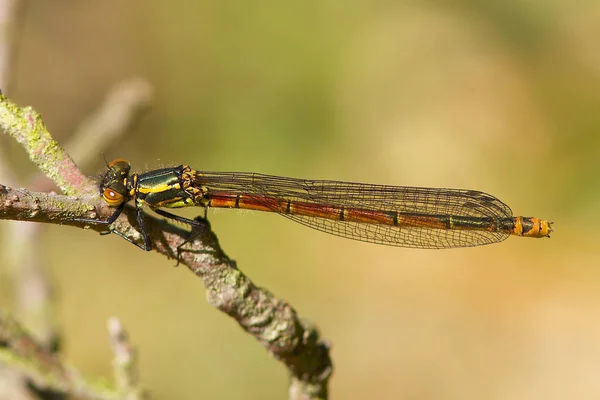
[[418, 217]]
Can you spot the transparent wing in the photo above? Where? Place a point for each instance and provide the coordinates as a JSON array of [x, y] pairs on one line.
[[273, 191]]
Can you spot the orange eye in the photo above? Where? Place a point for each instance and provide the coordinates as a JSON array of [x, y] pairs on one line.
[[112, 198]]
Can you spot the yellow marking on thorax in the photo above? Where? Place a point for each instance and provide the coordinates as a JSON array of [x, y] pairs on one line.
[[159, 188]]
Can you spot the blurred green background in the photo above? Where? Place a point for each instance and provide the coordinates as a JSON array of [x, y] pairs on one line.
[[501, 97]]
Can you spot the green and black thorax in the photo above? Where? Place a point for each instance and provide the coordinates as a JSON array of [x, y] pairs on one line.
[[166, 187]]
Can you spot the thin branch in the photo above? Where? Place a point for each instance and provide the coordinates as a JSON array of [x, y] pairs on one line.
[[272, 321]]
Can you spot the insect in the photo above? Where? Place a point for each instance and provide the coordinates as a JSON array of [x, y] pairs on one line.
[[417, 217]]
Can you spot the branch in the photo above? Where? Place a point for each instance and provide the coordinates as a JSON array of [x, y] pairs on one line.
[[272, 321]]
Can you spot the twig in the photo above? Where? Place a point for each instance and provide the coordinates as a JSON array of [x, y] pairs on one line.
[[272, 321]]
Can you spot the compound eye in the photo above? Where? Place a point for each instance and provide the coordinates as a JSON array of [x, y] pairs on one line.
[[112, 197]]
